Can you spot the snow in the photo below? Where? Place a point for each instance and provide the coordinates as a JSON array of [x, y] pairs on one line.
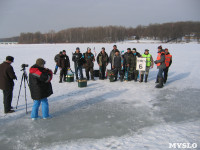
[[106, 115]]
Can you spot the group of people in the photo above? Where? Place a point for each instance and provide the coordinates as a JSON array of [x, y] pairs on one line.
[[123, 64], [40, 77]]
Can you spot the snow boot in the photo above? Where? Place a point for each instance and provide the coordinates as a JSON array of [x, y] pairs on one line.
[[160, 84], [135, 78], [146, 77], [141, 78], [157, 80], [60, 80]]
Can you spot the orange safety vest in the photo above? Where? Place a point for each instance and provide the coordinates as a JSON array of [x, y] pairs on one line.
[[168, 58], [159, 57]]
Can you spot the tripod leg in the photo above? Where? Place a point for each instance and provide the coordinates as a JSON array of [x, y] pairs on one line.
[[25, 94], [19, 91]]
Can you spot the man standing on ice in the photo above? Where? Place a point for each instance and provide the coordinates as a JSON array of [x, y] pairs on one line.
[[168, 62], [160, 62], [40, 88], [7, 75], [89, 58], [64, 64], [149, 64], [56, 58], [112, 54], [78, 63], [102, 60]]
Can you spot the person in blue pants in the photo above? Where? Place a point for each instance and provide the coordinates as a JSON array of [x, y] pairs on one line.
[[40, 88]]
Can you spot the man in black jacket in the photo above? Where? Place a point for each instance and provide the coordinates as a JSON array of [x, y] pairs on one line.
[[116, 64], [128, 63], [56, 58], [40, 88], [7, 75], [135, 72], [102, 60], [63, 64], [78, 63]]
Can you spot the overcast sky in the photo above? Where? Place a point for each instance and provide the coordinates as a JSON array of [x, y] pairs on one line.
[[18, 16]]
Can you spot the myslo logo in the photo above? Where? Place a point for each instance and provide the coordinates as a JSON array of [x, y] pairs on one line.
[[183, 145]]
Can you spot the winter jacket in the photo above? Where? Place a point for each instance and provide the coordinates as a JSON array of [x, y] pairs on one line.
[[78, 59], [128, 58], [168, 59], [7, 75], [116, 61], [112, 54], [160, 62], [56, 58], [39, 82], [89, 58], [102, 59], [64, 62]]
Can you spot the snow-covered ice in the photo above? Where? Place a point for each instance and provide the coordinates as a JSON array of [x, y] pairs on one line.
[[106, 115]]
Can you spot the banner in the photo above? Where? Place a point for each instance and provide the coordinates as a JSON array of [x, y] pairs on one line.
[[141, 64]]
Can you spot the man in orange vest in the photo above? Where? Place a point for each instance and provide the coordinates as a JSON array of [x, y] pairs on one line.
[[160, 62], [168, 62]]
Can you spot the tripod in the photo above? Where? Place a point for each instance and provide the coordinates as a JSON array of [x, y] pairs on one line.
[[25, 79]]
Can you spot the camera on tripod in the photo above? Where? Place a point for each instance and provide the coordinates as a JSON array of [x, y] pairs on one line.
[[25, 80], [24, 66]]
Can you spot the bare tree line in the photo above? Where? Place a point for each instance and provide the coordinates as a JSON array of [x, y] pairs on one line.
[[164, 32]]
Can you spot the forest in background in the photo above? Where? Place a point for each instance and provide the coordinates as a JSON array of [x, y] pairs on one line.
[[165, 32]]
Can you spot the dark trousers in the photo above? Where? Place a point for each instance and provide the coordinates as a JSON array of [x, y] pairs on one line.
[[116, 71], [160, 73], [166, 73], [134, 73], [63, 73], [78, 69], [102, 70], [87, 70], [7, 99]]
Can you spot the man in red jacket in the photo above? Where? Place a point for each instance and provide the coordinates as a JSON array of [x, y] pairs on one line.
[[7, 75], [40, 88]]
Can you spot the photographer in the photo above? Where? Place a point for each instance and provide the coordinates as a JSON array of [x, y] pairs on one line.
[[7, 75], [78, 63], [40, 87]]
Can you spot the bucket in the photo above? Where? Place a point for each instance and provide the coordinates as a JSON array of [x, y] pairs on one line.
[[82, 83], [70, 78]]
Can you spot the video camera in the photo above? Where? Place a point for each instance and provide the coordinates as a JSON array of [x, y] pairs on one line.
[[24, 66]]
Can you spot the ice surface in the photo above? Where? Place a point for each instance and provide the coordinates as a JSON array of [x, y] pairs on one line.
[[106, 115]]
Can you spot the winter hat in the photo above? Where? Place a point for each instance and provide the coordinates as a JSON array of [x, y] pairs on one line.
[[166, 49], [114, 45], [88, 48], [146, 50], [40, 62], [134, 49], [60, 52], [129, 49], [77, 48], [160, 47], [10, 58], [103, 48], [64, 51]]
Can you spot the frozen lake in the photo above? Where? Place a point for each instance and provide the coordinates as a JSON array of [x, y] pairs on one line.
[[106, 115]]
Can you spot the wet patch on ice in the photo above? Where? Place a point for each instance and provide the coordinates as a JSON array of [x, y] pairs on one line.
[[177, 106]]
